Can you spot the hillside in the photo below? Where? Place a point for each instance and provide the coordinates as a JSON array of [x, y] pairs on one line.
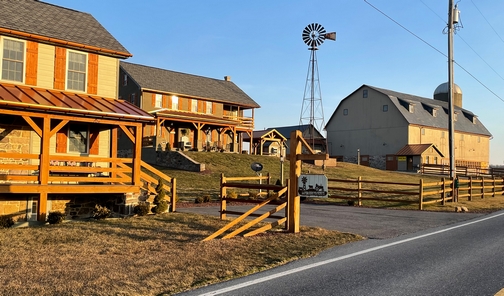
[[192, 184]]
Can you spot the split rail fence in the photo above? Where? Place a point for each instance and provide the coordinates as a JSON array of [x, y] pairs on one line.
[[272, 198], [421, 193]]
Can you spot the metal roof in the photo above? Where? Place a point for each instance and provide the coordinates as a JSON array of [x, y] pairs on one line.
[[257, 135], [77, 104], [417, 149], [162, 80], [286, 130], [55, 22]]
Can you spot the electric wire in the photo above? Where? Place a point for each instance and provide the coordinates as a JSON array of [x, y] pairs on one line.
[[439, 51], [487, 21]]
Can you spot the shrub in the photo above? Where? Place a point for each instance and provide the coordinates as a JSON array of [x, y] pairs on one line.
[[6, 222], [206, 198], [253, 195], [232, 194], [199, 199], [101, 213], [141, 209], [159, 200], [55, 217]]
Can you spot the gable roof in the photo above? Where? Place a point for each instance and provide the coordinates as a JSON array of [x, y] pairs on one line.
[[183, 84], [256, 135], [417, 149], [32, 19], [422, 108], [18, 97], [286, 130]]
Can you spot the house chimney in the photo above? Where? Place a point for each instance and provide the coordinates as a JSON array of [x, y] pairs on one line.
[[227, 78]]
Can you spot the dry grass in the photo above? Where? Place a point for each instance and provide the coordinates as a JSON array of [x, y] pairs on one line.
[[142, 256]]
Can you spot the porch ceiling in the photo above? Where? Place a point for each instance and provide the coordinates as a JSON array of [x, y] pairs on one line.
[[191, 117], [61, 102]]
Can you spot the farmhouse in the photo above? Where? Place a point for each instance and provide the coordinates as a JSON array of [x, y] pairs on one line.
[[61, 116], [383, 126], [192, 112]]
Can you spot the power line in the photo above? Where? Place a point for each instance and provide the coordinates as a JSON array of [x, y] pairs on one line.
[[431, 46], [487, 21]]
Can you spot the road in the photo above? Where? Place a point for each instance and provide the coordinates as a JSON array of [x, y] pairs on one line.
[[465, 258]]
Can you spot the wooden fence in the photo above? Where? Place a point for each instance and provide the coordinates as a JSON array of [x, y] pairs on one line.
[[466, 171], [420, 193], [274, 192]]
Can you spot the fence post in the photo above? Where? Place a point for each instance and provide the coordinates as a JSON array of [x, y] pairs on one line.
[[482, 187], [493, 187], [443, 192], [269, 182], [173, 200], [359, 192], [470, 188], [420, 195], [287, 183], [223, 197]]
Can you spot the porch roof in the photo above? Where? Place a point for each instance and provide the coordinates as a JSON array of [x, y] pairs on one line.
[[61, 102], [190, 117], [417, 149]]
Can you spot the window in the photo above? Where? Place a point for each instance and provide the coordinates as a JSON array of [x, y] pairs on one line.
[[31, 209], [194, 105], [423, 131], [364, 93], [78, 138], [13, 60], [174, 102], [133, 98], [125, 79], [158, 101], [442, 135], [427, 159], [435, 160], [76, 76], [208, 107], [345, 111], [385, 108]]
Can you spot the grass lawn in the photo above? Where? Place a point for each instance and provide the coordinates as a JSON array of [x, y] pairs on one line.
[[143, 256]]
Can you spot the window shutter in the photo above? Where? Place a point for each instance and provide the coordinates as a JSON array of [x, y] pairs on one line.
[[153, 99], [61, 140], [94, 143], [31, 62], [214, 108], [92, 74], [59, 68]]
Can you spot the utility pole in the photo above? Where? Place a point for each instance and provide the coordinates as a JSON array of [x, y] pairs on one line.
[[451, 123]]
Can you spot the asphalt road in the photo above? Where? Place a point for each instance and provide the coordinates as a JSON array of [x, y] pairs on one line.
[[368, 222], [465, 258]]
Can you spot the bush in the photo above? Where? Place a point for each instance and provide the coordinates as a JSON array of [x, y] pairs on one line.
[[55, 217], [232, 194], [161, 207], [206, 198], [101, 213], [199, 199], [6, 222], [141, 209], [253, 195]]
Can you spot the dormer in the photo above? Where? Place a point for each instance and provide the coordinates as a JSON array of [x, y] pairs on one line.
[[410, 106], [433, 110]]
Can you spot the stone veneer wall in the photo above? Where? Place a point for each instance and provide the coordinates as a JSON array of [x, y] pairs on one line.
[[80, 206], [14, 139], [375, 161], [15, 208]]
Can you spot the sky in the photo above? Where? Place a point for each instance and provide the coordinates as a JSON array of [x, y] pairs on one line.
[[258, 43]]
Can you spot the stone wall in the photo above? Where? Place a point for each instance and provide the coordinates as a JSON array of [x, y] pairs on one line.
[[178, 160], [14, 139], [375, 161]]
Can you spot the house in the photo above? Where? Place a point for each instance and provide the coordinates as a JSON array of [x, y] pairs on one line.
[[192, 112], [378, 125], [61, 116]]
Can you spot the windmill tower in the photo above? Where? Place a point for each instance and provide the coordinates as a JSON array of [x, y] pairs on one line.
[[312, 111]]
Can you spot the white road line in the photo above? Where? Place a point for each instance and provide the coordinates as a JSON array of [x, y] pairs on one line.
[[313, 265]]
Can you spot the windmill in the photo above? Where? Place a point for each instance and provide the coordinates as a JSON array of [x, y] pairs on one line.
[[312, 111]]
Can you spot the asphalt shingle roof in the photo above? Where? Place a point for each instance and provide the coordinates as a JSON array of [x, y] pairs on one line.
[[186, 84], [48, 20]]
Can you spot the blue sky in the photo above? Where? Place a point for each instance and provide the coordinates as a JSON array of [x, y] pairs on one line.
[[258, 43]]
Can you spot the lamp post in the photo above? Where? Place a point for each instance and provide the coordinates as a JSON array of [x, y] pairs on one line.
[[358, 156]]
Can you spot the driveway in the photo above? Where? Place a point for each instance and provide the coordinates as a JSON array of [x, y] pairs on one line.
[[368, 222]]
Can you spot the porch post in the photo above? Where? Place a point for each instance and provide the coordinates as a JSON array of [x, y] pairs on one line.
[[137, 155], [44, 168], [113, 151]]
